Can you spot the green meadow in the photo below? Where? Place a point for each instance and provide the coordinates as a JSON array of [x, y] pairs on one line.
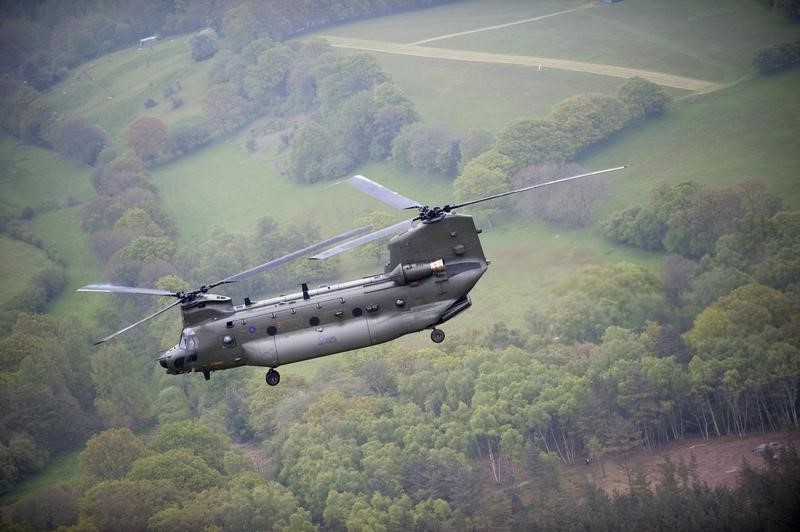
[[18, 261], [111, 90], [449, 18]]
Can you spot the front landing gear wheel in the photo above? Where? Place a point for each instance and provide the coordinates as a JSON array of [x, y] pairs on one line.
[[437, 335], [273, 377]]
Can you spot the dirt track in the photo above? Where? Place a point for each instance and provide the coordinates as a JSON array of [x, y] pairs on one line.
[[667, 80]]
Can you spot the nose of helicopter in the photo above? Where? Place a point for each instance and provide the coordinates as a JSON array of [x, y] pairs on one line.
[[170, 355]]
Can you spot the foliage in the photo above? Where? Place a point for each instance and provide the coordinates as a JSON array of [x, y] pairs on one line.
[[109, 455], [644, 99], [427, 148], [587, 119], [534, 141], [148, 138], [571, 203], [313, 156], [597, 297], [191, 435], [133, 502], [184, 472], [77, 139], [204, 45]]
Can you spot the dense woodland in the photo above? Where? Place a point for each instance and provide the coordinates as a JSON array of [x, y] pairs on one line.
[[619, 357]]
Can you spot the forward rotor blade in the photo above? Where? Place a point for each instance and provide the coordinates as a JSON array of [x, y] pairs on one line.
[[125, 290], [539, 185], [380, 192], [132, 325], [386, 231], [294, 255]]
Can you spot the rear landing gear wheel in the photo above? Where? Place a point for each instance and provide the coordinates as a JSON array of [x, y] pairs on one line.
[[273, 377], [437, 335]]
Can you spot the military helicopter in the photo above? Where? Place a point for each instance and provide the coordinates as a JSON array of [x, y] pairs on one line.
[[433, 266]]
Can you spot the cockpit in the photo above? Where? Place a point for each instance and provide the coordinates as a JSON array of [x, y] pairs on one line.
[[188, 340], [176, 358]]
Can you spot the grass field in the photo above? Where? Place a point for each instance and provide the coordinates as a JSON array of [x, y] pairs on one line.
[[61, 231], [456, 93], [449, 18], [722, 138], [63, 469], [33, 177], [224, 187], [44, 181], [111, 90], [18, 262], [707, 40]]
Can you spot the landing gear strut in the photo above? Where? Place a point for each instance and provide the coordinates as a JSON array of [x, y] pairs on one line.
[[273, 377], [437, 335]]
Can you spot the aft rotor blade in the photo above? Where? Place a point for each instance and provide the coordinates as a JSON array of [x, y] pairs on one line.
[[132, 325], [125, 290], [539, 185], [296, 254], [380, 192], [386, 231]]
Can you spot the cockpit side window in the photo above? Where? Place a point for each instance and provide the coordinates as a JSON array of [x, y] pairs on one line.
[[188, 340]]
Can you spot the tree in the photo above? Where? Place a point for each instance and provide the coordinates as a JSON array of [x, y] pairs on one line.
[[347, 76], [747, 310], [477, 181], [264, 506], [110, 454], [225, 109], [194, 436], [148, 138], [47, 508], [313, 155], [427, 147], [589, 118], [643, 98], [711, 213], [133, 503], [204, 45], [122, 399], [473, 143], [596, 297], [570, 203], [265, 79], [676, 275], [185, 472], [186, 138], [533, 141], [77, 139]]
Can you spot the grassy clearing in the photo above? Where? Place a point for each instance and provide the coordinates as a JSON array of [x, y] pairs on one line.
[[61, 232], [721, 138], [224, 187], [111, 90], [64, 469], [448, 18], [456, 92], [705, 40], [18, 262], [37, 178]]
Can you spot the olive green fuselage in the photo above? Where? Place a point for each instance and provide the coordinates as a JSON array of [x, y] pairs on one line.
[[432, 268]]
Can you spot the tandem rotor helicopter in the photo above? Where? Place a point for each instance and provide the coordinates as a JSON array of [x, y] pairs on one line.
[[432, 268]]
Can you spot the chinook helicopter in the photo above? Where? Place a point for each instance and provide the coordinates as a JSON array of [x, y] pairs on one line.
[[435, 260]]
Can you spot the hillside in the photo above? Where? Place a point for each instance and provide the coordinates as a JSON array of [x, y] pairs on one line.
[[647, 315]]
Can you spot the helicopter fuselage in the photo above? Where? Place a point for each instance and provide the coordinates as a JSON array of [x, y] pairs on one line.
[[432, 269]]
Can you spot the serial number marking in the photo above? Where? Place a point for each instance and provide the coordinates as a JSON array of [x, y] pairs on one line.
[[325, 340]]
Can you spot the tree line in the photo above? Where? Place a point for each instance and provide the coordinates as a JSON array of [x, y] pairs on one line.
[[43, 40]]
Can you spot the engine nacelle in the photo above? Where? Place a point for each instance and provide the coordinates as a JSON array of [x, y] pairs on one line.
[[408, 273]]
